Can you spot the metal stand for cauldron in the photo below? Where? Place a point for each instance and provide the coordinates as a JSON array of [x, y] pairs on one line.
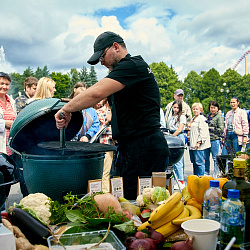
[[171, 171]]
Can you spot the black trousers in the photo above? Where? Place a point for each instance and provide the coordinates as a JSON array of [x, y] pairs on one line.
[[141, 157]]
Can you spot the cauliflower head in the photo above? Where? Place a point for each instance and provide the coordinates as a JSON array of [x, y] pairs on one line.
[[39, 202], [139, 201], [147, 193]]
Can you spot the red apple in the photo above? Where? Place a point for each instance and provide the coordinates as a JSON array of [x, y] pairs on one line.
[[145, 215]]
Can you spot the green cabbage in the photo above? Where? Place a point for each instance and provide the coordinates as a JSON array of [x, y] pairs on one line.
[[159, 194]]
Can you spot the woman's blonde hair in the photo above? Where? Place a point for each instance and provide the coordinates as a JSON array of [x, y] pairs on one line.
[[199, 105], [44, 88]]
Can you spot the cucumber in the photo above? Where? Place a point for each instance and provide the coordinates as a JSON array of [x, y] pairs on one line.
[[33, 230]]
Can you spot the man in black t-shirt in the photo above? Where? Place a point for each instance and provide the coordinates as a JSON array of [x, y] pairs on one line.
[[135, 99]]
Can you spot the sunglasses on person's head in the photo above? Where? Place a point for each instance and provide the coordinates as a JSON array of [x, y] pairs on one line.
[[5, 75]]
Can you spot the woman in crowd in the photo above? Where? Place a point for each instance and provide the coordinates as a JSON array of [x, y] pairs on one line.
[[90, 118], [46, 88], [7, 117], [7, 112], [199, 139], [216, 127], [236, 128], [177, 123]]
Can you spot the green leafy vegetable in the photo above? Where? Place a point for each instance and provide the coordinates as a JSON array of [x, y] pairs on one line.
[[126, 227], [159, 194], [83, 210], [75, 216], [30, 211]]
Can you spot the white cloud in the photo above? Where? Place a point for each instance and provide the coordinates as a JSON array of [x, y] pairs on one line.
[[189, 35]]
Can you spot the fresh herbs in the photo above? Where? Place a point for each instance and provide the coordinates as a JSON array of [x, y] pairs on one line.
[[83, 211]]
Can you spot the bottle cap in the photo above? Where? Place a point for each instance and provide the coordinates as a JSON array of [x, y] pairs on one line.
[[233, 193], [239, 163], [214, 183]]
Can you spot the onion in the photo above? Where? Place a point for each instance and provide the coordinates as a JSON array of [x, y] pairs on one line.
[[140, 235], [153, 244], [141, 244], [183, 245], [128, 241], [158, 237]]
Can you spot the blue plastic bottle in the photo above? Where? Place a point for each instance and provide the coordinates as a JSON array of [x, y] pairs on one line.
[[212, 202], [232, 220]]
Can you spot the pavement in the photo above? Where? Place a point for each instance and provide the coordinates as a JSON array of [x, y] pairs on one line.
[[16, 195]]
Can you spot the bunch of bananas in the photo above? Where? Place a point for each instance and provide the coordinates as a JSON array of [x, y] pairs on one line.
[[168, 217]]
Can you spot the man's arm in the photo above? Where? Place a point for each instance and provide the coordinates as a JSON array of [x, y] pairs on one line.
[[88, 98]]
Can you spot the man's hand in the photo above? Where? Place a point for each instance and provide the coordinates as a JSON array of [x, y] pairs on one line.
[[60, 123]]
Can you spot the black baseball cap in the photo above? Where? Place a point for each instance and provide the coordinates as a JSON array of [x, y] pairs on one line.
[[103, 41]]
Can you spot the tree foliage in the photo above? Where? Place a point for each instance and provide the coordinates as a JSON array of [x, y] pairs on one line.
[[167, 81], [198, 87], [64, 82]]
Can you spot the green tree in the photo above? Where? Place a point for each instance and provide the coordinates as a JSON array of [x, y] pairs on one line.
[[233, 82], [167, 81], [45, 71], [192, 87], [16, 84], [28, 72], [243, 92], [83, 75], [38, 73], [74, 78], [42, 72], [92, 76], [210, 84], [62, 84]]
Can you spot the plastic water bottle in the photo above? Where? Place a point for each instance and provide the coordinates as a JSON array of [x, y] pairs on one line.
[[243, 148], [232, 220], [212, 202]]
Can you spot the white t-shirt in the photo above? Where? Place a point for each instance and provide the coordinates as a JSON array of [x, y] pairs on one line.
[[173, 125]]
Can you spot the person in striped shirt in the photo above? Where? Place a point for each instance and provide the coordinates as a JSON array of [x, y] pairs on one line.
[[7, 112]]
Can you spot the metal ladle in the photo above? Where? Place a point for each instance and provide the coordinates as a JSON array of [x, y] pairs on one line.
[[62, 134]]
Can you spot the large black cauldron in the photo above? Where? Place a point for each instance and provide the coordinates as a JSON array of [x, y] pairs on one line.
[[176, 148], [50, 171]]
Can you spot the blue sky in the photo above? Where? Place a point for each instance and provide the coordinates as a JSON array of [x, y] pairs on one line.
[[121, 13], [187, 34]]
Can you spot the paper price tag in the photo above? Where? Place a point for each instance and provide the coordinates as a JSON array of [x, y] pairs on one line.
[[94, 186], [117, 187], [143, 183]]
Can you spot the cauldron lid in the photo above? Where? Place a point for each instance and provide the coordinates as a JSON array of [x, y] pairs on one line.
[[173, 141], [36, 123], [77, 146]]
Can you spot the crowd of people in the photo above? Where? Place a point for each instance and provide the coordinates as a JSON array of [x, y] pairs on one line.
[[207, 134], [129, 99]]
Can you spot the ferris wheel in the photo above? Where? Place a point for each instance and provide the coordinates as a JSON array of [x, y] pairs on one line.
[[244, 56]]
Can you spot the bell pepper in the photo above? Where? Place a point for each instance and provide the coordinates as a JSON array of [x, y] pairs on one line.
[[198, 185]]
